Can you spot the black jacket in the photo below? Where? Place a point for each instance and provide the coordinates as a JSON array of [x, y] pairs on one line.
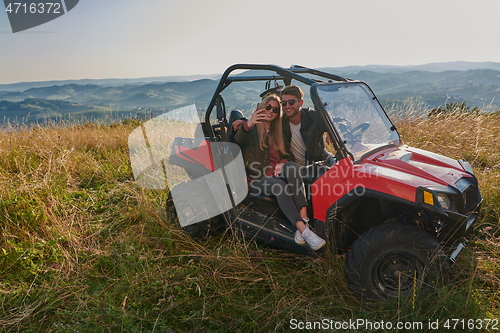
[[256, 159], [312, 129]]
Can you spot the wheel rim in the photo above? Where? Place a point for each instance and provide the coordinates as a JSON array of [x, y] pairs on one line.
[[397, 272]]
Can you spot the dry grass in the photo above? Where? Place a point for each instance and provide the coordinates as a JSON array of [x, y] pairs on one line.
[[474, 138], [84, 249]]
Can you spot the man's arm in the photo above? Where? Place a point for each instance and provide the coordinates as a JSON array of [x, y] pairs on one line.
[[237, 123], [243, 135]]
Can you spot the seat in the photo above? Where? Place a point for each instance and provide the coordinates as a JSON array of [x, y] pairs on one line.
[[233, 115]]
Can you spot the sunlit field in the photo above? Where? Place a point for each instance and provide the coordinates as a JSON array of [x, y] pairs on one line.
[[83, 248]]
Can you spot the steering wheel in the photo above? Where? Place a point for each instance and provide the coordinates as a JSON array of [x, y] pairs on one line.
[[357, 132], [351, 134]]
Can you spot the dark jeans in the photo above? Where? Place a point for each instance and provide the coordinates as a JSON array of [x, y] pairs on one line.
[[288, 189]]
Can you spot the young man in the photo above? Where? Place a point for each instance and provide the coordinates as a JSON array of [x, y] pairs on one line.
[[303, 131], [303, 128]]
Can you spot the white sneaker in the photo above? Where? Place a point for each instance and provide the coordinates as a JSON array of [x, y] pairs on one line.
[[298, 235], [298, 238], [314, 241]]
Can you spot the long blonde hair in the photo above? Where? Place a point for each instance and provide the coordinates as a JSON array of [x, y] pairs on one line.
[[275, 138]]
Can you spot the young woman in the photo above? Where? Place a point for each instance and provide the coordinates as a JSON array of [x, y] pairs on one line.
[[269, 171]]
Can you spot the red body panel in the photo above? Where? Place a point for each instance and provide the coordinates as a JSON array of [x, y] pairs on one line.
[[200, 154], [396, 171]]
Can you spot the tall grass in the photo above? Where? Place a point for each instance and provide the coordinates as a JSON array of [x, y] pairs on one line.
[[84, 249]]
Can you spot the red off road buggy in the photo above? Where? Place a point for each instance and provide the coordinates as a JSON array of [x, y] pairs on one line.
[[401, 214]]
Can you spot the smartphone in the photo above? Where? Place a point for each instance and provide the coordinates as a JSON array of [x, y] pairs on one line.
[[261, 105]]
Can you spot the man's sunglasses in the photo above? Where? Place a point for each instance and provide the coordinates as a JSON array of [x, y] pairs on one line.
[[275, 108], [290, 101]]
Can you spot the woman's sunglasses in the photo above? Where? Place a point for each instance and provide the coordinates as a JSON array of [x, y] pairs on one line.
[[290, 101], [274, 108]]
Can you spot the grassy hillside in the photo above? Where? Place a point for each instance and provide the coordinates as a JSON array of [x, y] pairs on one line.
[[83, 249]]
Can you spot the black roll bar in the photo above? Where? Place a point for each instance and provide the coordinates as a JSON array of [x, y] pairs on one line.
[[285, 74]]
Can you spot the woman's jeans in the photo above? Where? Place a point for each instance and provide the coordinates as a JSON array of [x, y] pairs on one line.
[[288, 189]]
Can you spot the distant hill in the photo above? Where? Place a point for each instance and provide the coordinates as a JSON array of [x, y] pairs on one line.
[[432, 67], [36, 109], [477, 87], [22, 86], [345, 71], [128, 96]]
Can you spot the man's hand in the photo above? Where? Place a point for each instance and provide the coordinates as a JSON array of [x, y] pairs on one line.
[[237, 124], [278, 169]]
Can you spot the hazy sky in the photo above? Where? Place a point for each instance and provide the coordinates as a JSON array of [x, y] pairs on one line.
[[129, 39]]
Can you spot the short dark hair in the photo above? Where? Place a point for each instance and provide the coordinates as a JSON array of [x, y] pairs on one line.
[[293, 90]]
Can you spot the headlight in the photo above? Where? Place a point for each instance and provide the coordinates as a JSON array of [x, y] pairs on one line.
[[444, 200]]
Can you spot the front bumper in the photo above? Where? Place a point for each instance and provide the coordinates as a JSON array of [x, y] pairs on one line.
[[455, 226]]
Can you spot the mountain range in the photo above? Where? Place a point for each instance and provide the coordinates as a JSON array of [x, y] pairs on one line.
[[478, 84]]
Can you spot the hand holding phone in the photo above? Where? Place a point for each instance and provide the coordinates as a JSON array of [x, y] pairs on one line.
[[258, 115]]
